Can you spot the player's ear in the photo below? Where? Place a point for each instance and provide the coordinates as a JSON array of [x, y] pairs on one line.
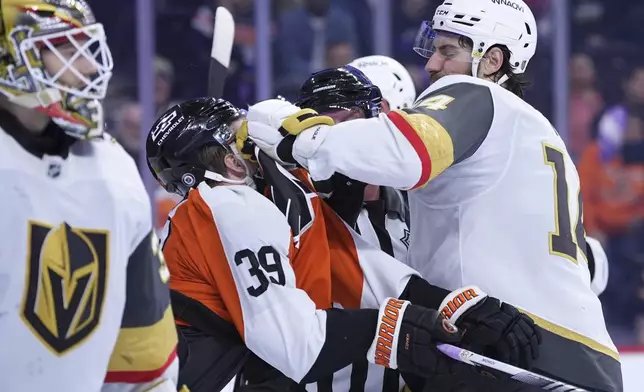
[[384, 106], [491, 63], [234, 166]]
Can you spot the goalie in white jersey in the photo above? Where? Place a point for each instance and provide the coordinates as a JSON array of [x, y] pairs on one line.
[[494, 196], [84, 303]]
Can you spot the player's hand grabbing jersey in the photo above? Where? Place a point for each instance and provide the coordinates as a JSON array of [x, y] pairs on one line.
[[231, 249], [84, 303], [495, 198], [362, 275]]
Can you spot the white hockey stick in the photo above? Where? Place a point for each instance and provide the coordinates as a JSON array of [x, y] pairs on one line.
[[515, 373], [223, 37]]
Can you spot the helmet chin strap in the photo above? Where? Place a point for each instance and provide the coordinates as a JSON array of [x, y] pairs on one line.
[[247, 180], [219, 178], [502, 79]]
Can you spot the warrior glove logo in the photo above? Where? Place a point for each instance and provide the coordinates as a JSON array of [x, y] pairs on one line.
[[65, 288]]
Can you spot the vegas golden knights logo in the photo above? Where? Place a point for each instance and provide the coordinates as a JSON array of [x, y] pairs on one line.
[[65, 288]]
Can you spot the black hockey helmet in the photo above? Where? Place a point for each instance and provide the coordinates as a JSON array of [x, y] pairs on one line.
[[177, 137], [341, 88]]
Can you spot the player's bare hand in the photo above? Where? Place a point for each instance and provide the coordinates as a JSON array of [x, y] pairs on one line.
[[493, 328]]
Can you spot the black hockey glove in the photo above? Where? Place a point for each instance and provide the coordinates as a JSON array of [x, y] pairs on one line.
[[407, 336], [491, 327]]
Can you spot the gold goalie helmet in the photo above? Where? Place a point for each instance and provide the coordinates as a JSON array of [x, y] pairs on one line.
[[54, 59]]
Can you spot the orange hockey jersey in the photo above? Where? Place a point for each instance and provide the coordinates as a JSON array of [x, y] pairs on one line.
[[232, 249]]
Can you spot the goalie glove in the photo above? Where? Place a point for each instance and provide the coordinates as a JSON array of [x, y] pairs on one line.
[[491, 327], [273, 125], [406, 339]]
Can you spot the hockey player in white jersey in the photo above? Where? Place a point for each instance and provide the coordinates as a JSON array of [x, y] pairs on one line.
[[84, 303], [266, 269], [398, 92], [234, 253], [494, 196]]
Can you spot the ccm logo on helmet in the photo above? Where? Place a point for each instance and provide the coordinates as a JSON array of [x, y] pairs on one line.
[[509, 3]]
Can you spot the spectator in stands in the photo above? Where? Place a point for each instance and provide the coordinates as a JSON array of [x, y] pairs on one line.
[[164, 78], [128, 128], [361, 12], [612, 178], [585, 103], [339, 54], [303, 37], [407, 15]]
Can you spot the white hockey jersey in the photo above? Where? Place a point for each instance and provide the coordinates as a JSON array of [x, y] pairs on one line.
[[84, 304], [494, 198], [233, 250]]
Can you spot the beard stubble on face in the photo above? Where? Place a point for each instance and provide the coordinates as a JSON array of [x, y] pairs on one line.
[[434, 76]]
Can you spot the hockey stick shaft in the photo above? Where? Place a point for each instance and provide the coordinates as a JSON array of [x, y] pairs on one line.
[[223, 37], [515, 373]]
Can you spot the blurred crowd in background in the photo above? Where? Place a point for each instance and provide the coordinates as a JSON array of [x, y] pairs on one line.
[[606, 108]]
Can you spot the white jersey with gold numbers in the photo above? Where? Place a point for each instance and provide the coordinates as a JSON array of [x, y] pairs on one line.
[[494, 198], [84, 304]]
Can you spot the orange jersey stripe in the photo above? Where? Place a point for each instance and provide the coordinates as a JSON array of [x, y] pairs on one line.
[[197, 261], [312, 261], [343, 270], [346, 272]]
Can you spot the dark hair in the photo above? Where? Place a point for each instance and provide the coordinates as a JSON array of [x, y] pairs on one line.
[[516, 83]]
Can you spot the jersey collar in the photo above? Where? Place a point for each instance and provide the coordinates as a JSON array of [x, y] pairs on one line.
[[53, 141]]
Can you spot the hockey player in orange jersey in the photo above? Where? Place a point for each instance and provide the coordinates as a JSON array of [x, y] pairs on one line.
[[247, 259]]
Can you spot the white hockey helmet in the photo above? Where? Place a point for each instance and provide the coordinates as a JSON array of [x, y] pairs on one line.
[[486, 23], [393, 80]]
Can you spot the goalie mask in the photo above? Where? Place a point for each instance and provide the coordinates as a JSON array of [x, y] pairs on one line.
[[54, 59], [344, 88], [178, 137]]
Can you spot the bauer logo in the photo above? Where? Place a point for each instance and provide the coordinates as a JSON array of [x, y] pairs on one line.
[[509, 3], [66, 283]]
